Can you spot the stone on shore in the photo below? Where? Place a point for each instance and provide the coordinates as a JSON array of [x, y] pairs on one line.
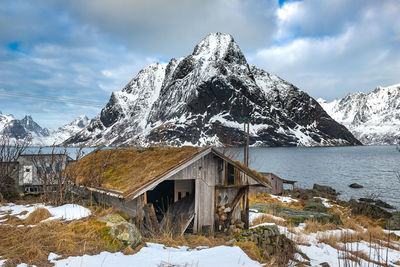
[[355, 185]]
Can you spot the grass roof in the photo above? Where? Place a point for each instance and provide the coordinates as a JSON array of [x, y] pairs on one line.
[[127, 169]]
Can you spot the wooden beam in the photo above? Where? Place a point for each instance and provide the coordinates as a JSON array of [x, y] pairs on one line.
[[235, 201]]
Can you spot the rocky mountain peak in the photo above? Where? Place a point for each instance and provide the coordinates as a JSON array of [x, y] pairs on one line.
[[201, 99], [219, 46], [81, 121]]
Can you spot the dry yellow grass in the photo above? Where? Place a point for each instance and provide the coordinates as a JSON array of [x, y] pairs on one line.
[[37, 216], [32, 245], [251, 249], [267, 218], [124, 169], [313, 227], [188, 240], [267, 199]]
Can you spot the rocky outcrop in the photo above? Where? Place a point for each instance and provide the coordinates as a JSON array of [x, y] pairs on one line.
[[369, 210], [203, 99], [297, 216]]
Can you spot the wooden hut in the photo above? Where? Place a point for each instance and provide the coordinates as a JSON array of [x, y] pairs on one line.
[[203, 188]]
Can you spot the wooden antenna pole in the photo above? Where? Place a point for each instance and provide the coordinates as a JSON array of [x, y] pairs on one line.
[[247, 143], [244, 143]]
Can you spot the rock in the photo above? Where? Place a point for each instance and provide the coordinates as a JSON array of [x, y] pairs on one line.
[[369, 210], [355, 185], [324, 264], [327, 190], [367, 200], [315, 206], [112, 219], [127, 233], [304, 194], [297, 216], [393, 223], [269, 241], [383, 204]]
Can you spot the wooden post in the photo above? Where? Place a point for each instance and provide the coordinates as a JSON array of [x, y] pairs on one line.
[[151, 219], [246, 219]]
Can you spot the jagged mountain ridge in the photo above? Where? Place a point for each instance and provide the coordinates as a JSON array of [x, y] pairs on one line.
[[202, 98], [373, 118], [28, 129]]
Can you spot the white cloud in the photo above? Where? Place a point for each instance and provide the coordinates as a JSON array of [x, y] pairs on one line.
[[172, 28], [356, 54]]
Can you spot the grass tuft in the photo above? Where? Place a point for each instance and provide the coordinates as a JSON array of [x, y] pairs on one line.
[[38, 215]]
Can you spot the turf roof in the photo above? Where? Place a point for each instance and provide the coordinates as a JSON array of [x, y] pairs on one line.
[[127, 169]]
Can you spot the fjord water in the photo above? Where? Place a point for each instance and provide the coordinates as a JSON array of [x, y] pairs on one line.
[[374, 167]]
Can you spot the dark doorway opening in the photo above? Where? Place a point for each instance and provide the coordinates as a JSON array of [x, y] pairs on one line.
[[162, 196]]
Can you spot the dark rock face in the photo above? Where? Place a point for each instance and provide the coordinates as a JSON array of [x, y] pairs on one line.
[[203, 98], [23, 129]]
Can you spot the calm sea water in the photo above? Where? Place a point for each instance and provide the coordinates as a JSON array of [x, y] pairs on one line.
[[374, 167]]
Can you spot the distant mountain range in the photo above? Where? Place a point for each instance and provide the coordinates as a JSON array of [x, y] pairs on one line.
[[373, 118], [27, 128], [203, 99]]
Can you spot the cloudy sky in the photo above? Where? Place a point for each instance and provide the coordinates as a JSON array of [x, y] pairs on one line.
[[61, 59]]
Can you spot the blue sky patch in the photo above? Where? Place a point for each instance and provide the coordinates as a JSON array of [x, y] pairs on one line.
[[14, 46]]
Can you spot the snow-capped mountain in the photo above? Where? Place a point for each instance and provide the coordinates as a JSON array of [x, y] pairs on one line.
[[28, 129], [66, 131], [202, 99], [373, 118]]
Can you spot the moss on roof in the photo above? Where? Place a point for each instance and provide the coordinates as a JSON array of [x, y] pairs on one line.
[[127, 169]]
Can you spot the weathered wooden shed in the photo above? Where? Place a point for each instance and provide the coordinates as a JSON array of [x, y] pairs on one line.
[[204, 188]]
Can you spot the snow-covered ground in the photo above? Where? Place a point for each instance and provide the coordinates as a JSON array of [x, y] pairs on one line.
[[254, 214], [66, 212], [159, 255], [284, 199]]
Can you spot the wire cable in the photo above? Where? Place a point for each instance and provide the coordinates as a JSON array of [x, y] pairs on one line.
[[75, 101]]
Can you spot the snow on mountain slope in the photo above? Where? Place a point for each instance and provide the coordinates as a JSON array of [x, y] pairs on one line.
[[202, 99], [28, 129], [373, 118]]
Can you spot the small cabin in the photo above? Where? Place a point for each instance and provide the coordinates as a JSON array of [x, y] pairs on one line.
[[201, 190]]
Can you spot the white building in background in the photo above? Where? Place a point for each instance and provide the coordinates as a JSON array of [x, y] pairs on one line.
[[38, 170]]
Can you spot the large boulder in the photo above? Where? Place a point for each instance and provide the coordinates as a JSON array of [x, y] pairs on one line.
[[111, 219], [393, 223], [122, 230], [127, 233]]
